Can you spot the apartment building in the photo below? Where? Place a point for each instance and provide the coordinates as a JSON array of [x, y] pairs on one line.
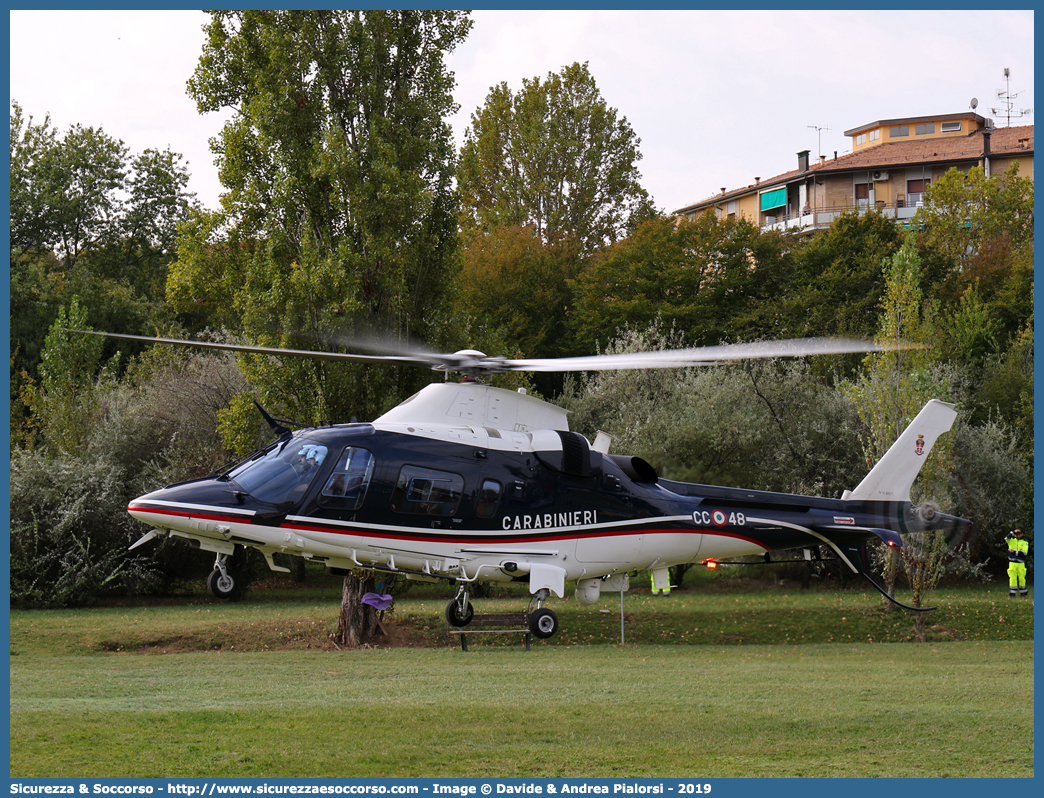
[[891, 163]]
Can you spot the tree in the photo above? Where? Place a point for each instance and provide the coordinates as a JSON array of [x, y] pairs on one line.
[[837, 283], [31, 145], [554, 157], [705, 275], [339, 215], [962, 211], [512, 280], [65, 192], [70, 530], [90, 220], [770, 425], [65, 405], [895, 385]]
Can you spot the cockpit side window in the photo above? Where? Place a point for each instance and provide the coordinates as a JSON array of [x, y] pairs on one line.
[[488, 498], [346, 487], [427, 492]]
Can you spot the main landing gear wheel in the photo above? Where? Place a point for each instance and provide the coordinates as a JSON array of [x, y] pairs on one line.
[[455, 616], [543, 623]]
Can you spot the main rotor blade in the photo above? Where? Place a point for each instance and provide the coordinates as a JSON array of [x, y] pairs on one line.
[[476, 363], [699, 356], [412, 360]]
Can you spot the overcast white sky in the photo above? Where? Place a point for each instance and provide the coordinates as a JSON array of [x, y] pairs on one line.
[[716, 97]]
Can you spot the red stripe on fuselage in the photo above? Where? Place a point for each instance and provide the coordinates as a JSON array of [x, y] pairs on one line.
[[478, 537]]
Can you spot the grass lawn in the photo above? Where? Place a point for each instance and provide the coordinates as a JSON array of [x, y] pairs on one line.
[[734, 682]]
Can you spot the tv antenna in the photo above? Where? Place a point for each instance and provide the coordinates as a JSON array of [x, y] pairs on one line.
[[819, 135], [1007, 98]]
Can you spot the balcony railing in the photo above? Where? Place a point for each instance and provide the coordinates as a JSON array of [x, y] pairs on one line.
[[819, 218]]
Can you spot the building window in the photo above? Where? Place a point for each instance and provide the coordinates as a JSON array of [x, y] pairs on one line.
[[875, 134], [925, 129], [862, 194], [861, 138], [915, 190], [951, 127], [898, 131]]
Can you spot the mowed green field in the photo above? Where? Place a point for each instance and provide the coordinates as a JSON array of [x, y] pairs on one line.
[[255, 689]]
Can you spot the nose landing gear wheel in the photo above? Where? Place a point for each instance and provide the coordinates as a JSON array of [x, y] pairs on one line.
[[543, 623], [222, 585]]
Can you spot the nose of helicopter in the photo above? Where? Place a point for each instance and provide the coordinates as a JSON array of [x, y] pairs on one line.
[[190, 506]]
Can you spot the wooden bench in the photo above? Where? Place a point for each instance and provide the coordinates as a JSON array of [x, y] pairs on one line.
[[516, 620]]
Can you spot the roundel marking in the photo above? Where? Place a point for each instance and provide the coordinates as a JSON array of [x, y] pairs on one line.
[[719, 518]]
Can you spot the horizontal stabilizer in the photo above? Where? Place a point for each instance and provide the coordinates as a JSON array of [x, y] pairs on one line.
[[894, 474], [831, 533]]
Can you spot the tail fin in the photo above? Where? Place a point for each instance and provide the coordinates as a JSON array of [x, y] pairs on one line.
[[894, 474]]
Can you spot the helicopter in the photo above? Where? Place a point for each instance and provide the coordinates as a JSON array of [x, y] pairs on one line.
[[466, 483]]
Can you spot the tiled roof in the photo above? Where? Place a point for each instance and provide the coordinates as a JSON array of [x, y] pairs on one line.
[[1004, 142]]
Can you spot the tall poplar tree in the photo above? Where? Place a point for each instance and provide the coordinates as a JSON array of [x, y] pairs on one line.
[[553, 156], [549, 172], [339, 214]]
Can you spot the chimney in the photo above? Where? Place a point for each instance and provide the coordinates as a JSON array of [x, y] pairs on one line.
[[835, 156], [986, 134], [803, 161], [757, 181], [822, 160], [723, 190]]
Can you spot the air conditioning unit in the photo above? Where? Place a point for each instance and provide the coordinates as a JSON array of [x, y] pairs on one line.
[[880, 175]]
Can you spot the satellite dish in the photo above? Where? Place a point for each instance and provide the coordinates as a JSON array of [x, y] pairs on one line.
[[974, 103]]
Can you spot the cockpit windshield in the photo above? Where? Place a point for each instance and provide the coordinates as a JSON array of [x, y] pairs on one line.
[[283, 473]]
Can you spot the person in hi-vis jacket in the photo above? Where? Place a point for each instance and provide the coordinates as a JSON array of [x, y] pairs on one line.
[[1018, 550]]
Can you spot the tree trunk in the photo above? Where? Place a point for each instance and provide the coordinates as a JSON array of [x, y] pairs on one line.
[[356, 622], [297, 569], [891, 572], [919, 627]]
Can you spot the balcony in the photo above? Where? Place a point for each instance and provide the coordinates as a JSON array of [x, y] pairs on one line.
[[821, 218]]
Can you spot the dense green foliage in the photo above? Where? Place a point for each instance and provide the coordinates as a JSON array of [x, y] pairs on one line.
[[88, 220], [341, 220]]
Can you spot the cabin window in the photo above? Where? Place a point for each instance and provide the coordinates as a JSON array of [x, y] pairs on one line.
[[488, 498], [346, 487], [427, 492], [282, 473]]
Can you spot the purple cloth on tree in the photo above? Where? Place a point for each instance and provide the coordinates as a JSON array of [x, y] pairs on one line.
[[378, 601]]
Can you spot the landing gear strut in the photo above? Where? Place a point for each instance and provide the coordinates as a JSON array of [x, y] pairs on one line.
[[223, 582]]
